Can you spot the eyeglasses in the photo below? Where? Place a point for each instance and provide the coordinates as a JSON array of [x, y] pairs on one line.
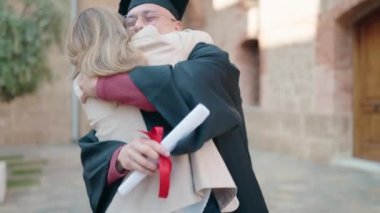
[[147, 17]]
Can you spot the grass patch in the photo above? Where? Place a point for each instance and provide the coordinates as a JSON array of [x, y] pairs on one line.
[[10, 157], [21, 183], [23, 173], [26, 162], [26, 171]]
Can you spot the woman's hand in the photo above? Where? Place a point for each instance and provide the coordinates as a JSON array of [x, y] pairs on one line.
[[88, 86], [141, 155]]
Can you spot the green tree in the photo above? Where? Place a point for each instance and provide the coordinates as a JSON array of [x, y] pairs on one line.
[[26, 31]]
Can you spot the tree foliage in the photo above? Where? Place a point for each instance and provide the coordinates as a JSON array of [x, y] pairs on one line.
[[27, 29]]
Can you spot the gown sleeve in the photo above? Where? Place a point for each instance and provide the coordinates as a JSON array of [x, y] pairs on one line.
[[95, 158]]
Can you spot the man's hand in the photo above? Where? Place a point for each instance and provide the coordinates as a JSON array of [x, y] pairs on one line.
[[141, 155], [88, 86]]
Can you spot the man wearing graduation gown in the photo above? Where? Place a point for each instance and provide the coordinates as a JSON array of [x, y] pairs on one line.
[[207, 77]]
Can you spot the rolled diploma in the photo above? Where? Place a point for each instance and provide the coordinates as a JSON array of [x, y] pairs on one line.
[[188, 124]]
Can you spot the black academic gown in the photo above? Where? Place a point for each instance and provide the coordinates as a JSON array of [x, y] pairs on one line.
[[209, 78]]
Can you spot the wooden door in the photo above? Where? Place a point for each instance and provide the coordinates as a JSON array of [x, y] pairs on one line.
[[367, 88]]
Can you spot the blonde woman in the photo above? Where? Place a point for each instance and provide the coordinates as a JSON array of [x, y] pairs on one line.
[[98, 45]]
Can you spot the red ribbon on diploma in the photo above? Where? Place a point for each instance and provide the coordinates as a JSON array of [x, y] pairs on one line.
[[164, 163]]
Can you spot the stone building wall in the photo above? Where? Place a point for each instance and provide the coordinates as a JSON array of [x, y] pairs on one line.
[[45, 117], [306, 50]]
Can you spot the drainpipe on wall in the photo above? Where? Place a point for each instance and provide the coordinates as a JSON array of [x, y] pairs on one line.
[[74, 99]]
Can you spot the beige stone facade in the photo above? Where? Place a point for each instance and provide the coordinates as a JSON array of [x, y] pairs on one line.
[[296, 62], [306, 79]]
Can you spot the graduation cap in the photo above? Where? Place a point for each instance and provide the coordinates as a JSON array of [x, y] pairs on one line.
[[176, 7]]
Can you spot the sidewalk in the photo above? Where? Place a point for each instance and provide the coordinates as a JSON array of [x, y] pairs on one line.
[[289, 185], [61, 188]]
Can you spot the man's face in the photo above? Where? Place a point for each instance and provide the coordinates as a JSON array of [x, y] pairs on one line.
[[151, 14]]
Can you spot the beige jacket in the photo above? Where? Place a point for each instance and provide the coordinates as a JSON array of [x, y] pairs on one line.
[[193, 175]]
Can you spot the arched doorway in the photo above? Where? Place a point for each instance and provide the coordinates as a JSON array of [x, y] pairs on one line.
[[367, 87]]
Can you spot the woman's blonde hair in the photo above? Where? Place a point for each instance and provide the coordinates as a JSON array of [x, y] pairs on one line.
[[98, 44]]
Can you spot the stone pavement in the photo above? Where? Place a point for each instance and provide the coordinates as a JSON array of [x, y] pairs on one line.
[[61, 188], [291, 186], [288, 184]]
